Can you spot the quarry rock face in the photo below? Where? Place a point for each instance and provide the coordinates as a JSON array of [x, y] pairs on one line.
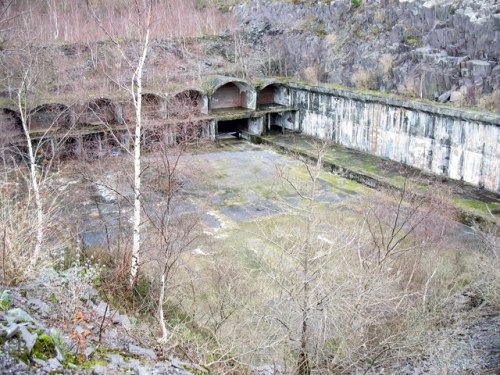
[[435, 45]]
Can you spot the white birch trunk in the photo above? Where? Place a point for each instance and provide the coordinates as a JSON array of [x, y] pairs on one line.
[[137, 97], [164, 332], [33, 182]]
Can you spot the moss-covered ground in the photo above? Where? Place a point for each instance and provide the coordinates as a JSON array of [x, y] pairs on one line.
[[466, 198]]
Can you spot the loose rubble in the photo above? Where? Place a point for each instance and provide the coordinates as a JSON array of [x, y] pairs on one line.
[[40, 334]]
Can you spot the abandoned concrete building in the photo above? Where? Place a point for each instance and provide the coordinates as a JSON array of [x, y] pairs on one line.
[[457, 144]]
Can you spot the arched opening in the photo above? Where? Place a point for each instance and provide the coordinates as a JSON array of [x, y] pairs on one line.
[[99, 111], [233, 95], [50, 116], [10, 123], [273, 95], [153, 106], [185, 104]]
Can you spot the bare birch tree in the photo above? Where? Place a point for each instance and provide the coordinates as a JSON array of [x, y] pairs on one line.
[[135, 89], [22, 94]]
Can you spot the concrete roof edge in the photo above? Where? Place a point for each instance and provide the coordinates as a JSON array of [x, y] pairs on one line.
[[486, 117], [214, 82]]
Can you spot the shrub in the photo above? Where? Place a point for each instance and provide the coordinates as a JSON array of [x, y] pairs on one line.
[[409, 88], [386, 62], [414, 41], [311, 74], [355, 4], [364, 79], [490, 102], [315, 26]]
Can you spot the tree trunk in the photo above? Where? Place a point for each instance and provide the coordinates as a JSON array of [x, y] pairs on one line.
[[33, 182], [137, 97], [164, 332]]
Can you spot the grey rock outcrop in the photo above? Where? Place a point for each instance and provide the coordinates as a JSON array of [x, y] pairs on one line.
[[437, 46]]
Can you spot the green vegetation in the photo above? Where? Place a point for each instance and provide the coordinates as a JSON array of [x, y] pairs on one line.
[[4, 300], [44, 347], [92, 363], [475, 204], [7, 103], [355, 4], [414, 41], [196, 370]]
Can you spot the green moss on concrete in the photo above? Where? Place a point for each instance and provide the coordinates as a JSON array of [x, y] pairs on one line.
[[475, 204]]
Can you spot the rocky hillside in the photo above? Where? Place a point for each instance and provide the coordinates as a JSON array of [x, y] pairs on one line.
[[446, 49]]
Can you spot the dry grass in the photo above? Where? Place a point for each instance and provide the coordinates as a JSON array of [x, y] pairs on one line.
[[331, 38], [364, 79], [311, 74], [490, 102], [409, 88], [386, 62]]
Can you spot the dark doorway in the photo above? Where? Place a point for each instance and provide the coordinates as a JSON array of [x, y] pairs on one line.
[[232, 127]]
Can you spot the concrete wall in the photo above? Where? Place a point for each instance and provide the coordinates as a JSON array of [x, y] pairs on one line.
[[256, 125], [454, 143], [282, 95], [286, 120]]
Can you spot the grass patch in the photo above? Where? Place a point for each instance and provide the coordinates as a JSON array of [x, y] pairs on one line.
[[355, 4], [477, 205]]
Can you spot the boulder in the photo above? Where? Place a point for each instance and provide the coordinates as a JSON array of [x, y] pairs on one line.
[[444, 97], [28, 338], [99, 370], [39, 306], [53, 364], [479, 68], [143, 352], [456, 96]]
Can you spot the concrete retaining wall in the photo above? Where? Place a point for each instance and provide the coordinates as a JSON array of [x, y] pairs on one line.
[[459, 144]]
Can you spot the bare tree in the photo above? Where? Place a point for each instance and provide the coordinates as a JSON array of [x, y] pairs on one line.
[[44, 130], [174, 227], [395, 215], [22, 94], [144, 23], [302, 265]]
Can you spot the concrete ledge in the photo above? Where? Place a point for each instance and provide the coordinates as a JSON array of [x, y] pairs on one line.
[[465, 216], [485, 117]]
